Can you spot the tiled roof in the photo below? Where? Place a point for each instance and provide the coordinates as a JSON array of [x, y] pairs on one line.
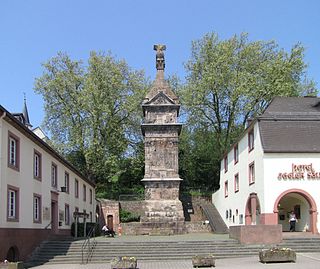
[[293, 107], [291, 124]]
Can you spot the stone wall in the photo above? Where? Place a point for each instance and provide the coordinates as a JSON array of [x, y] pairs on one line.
[[133, 206], [256, 234], [197, 227], [24, 241], [110, 210]]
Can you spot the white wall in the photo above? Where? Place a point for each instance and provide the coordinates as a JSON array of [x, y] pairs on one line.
[[27, 185], [267, 185], [236, 201], [276, 163]]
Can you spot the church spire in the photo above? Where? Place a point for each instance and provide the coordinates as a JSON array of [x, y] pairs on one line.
[[25, 113]]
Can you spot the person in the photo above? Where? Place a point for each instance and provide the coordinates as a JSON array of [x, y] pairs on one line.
[[107, 231], [292, 220]]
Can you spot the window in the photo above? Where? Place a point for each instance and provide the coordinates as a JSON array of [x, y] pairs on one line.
[[90, 216], [226, 188], [251, 173], [91, 196], [251, 140], [236, 154], [37, 165], [225, 161], [66, 214], [66, 182], [54, 175], [13, 151], [13, 204], [84, 192], [236, 182], [76, 188], [36, 208]]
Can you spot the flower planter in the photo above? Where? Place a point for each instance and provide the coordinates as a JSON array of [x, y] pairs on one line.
[[277, 255], [124, 263], [11, 265], [203, 261]]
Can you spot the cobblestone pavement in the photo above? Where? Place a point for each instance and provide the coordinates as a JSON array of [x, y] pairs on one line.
[[304, 260]]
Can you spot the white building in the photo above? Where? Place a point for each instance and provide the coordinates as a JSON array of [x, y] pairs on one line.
[[274, 168], [33, 207]]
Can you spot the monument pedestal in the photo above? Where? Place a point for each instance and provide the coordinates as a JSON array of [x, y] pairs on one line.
[[163, 209]]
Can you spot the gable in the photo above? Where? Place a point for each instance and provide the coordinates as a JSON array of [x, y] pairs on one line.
[[161, 99]]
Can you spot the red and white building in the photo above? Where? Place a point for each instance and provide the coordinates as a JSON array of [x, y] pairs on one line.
[[33, 207], [274, 168]]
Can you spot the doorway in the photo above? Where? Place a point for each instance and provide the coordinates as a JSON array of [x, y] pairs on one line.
[[110, 222], [54, 217], [304, 207]]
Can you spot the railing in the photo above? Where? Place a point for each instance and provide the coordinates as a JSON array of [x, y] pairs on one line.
[[89, 245], [50, 223]]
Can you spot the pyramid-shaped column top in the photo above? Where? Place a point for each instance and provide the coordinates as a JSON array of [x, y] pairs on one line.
[[160, 84]]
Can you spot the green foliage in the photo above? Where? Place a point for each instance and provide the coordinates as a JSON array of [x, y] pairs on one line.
[[93, 113], [126, 216], [229, 81], [93, 110]]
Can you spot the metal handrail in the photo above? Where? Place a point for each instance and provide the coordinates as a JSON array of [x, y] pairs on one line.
[[89, 245], [50, 223]]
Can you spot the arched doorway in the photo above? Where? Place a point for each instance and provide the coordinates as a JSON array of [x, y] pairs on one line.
[[304, 206], [253, 210], [13, 254]]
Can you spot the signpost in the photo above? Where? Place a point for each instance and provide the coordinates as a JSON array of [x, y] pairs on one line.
[[76, 216]]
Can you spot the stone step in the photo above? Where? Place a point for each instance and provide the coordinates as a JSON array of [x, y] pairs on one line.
[[70, 251]]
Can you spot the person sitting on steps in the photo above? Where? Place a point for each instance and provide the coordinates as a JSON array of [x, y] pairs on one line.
[[107, 231]]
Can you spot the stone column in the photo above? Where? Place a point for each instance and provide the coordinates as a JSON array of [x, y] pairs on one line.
[[253, 201]]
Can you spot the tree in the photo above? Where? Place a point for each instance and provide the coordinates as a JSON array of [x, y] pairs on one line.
[[93, 112], [229, 81]]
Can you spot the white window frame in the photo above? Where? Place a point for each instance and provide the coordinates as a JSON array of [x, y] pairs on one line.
[[36, 208], [37, 165], [76, 188], [12, 203], [67, 181], [252, 177], [236, 153], [13, 151], [236, 182], [54, 175], [251, 140], [225, 164], [226, 188], [84, 193]]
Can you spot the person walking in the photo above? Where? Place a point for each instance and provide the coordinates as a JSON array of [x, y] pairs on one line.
[[292, 220]]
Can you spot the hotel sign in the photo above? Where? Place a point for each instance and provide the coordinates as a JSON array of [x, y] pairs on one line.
[[300, 172]]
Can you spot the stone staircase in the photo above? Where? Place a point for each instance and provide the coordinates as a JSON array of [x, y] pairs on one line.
[[215, 220], [63, 252]]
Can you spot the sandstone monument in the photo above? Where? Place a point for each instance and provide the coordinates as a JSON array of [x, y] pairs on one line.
[[163, 209]]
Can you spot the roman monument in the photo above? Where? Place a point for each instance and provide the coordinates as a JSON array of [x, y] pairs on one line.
[[163, 209]]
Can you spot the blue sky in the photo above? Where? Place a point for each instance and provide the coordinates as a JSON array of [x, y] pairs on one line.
[[33, 31]]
